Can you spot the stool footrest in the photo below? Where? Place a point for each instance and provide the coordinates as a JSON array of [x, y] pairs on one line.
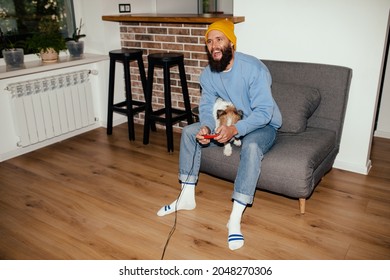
[[177, 115], [138, 106]]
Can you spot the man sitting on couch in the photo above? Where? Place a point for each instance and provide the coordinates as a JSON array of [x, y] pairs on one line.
[[246, 82]]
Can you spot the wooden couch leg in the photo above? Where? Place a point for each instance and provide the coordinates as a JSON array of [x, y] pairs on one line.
[[302, 202]]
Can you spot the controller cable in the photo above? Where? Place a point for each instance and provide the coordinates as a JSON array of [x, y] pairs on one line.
[[177, 200]]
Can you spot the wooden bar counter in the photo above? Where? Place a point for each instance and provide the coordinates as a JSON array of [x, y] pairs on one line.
[[173, 18]]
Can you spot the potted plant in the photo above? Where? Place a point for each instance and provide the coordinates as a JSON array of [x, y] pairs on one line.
[[74, 45], [13, 57], [49, 42]]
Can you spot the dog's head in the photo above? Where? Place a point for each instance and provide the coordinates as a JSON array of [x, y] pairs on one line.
[[229, 116]]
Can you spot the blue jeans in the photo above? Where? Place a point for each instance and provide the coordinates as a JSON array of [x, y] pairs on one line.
[[254, 146]]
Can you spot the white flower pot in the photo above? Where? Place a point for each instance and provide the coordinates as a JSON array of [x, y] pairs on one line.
[[49, 56]]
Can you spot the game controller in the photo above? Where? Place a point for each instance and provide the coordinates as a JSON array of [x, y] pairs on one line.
[[210, 136]]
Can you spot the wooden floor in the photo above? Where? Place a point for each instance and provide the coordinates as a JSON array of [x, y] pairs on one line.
[[96, 196]]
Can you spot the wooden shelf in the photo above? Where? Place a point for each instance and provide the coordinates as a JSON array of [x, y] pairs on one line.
[[173, 18]]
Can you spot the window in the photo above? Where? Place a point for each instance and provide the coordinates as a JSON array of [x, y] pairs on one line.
[[19, 18]]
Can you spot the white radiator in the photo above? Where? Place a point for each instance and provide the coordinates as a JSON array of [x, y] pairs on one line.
[[52, 106]]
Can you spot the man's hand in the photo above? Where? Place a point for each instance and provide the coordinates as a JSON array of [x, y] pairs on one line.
[[225, 133], [204, 130]]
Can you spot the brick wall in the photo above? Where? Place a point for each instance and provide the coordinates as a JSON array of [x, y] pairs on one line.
[[164, 37]]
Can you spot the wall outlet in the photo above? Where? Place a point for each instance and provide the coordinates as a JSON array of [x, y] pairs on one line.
[[124, 8]]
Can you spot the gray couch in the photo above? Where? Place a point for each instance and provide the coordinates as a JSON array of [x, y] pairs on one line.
[[313, 99]]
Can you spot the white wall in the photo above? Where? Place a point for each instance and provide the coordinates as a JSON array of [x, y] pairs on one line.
[[343, 32], [383, 125], [103, 36]]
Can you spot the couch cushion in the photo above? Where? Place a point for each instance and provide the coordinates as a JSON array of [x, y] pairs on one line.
[[296, 103]]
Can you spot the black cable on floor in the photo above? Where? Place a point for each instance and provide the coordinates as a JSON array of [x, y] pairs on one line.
[[177, 201]]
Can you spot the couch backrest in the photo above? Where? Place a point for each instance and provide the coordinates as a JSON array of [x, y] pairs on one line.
[[332, 81]]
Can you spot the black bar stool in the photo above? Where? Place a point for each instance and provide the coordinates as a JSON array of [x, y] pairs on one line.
[[128, 107], [166, 115]]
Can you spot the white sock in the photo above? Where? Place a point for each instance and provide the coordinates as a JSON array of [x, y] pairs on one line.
[[186, 200], [235, 238]]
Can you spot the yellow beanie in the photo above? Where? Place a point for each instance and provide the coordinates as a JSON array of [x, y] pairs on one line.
[[226, 27]]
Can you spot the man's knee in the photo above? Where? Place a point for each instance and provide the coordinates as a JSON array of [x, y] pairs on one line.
[[252, 149], [191, 129]]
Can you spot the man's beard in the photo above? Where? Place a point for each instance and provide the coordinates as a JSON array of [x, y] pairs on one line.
[[222, 64]]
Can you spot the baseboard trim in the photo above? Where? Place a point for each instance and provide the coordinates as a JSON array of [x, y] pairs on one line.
[[361, 169], [24, 150], [382, 134]]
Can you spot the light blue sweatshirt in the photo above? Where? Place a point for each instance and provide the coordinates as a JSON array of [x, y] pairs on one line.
[[248, 86]]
